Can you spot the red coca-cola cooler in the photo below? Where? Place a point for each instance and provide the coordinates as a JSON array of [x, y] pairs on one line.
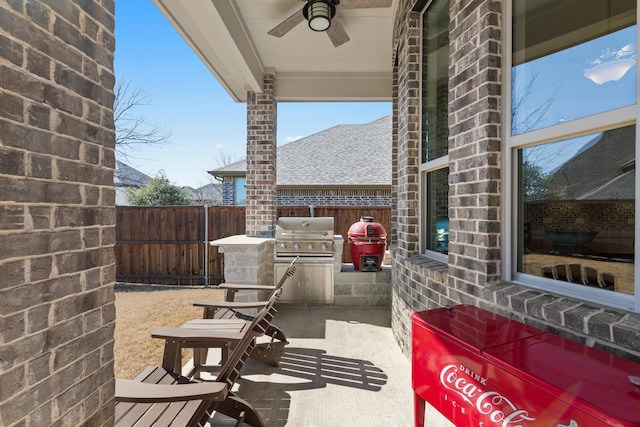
[[481, 369], [367, 243]]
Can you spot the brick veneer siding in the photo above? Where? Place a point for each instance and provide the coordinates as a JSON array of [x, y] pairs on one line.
[[324, 197], [406, 286], [473, 273], [57, 213], [228, 191], [334, 198], [261, 160]]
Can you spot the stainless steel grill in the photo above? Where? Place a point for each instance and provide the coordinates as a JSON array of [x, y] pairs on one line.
[[304, 237], [312, 240]]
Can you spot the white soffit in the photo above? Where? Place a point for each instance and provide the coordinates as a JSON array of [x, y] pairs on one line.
[[216, 34], [230, 36]]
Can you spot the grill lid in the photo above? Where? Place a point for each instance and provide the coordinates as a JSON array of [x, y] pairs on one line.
[[295, 228], [304, 236]]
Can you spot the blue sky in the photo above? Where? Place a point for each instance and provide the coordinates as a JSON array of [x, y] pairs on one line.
[[186, 100]]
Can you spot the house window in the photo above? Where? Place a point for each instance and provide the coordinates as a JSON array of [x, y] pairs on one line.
[[434, 172], [572, 133], [240, 191]]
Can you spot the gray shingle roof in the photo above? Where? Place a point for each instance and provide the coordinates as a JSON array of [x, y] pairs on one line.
[[602, 170], [126, 176], [344, 155]]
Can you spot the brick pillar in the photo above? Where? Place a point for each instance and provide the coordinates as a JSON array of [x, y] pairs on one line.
[[57, 213], [474, 144], [407, 139], [261, 161]]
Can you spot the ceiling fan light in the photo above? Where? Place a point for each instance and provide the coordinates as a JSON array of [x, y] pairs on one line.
[[319, 14]]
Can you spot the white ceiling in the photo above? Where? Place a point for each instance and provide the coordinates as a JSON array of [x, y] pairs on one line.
[[230, 36]]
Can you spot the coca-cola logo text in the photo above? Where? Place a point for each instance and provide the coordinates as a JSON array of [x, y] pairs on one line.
[[495, 407]]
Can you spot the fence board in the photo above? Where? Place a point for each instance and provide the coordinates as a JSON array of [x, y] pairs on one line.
[[166, 245]]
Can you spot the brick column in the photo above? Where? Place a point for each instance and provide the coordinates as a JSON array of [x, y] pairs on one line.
[[57, 213], [261, 161], [475, 144], [407, 139]]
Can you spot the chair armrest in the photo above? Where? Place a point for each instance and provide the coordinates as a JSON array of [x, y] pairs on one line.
[[230, 304], [139, 392], [201, 335], [235, 287]]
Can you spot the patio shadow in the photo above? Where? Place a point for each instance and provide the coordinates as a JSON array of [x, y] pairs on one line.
[[269, 389], [341, 366]]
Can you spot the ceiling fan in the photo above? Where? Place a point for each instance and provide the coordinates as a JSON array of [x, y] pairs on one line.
[[320, 16]]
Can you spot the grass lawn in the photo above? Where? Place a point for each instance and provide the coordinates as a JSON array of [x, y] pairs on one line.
[[141, 309]]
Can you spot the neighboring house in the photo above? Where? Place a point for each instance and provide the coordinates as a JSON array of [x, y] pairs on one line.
[[604, 169], [210, 194], [344, 165], [126, 177]]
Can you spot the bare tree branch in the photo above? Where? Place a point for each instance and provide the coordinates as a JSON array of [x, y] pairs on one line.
[[132, 128], [225, 159]]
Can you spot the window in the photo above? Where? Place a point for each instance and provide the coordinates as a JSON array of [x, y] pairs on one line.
[[240, 191], [572, 133], [435, 129]]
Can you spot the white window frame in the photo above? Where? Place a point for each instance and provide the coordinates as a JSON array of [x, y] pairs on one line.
[[425, 168], [597, 123]]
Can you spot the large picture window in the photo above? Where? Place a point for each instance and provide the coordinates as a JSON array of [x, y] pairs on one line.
[[435, 128], [573, 137]]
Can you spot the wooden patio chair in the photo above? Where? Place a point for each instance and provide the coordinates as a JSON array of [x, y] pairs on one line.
[[547, 271], [561, 272], [575, 272], [230, 309], [607, 281], [590, 277], [214, 311], [221, 328], [159, 397]]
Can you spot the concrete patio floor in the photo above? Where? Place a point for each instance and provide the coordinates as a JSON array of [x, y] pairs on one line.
[[341, 367]]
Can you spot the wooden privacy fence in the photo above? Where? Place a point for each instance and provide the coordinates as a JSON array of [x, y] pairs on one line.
[[170, 244]]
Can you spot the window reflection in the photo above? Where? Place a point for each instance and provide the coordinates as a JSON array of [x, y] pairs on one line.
[[587, 79], [438, 207], [435, 81], [577, 209], [569, 61], [240, 191]]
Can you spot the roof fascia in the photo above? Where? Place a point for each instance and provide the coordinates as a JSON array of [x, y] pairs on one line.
[[215, 31], [348, 87]]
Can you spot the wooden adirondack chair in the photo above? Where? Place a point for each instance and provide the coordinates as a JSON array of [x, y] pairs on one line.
[[229, 309], [216, 311], [159, 397]]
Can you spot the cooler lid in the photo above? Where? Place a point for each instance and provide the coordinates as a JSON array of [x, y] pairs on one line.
[[473, 328], [591, 380]]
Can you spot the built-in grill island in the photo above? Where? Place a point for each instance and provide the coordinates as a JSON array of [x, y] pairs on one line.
[[320, 257]]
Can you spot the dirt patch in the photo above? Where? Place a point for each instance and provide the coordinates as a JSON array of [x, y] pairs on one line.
[[142, 308]]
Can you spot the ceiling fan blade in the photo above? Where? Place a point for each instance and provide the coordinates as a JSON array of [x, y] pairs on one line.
[[364, 4], [287, 25], [337, 34]]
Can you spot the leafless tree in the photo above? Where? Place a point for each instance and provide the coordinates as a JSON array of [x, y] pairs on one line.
[[225, 159], [132, 128]]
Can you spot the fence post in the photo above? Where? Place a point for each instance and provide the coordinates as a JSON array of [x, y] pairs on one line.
[[206, 246]]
